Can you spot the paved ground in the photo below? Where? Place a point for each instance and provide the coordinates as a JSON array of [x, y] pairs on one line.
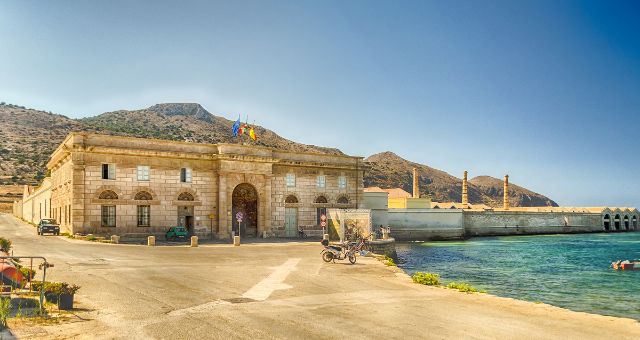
[[281, 290]]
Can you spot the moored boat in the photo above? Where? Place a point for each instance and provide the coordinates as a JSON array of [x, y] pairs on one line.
[[626, 265]]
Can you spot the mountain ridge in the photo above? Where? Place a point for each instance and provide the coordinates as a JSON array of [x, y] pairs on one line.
[[29, 136]]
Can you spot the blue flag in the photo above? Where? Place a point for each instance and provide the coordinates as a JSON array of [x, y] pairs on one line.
[[236, 127]]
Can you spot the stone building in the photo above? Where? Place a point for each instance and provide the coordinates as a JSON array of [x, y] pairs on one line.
[[109, 185]]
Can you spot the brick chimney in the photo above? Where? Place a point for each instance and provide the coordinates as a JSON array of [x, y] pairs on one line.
[[505, 201], [465, 197], [416, 188]]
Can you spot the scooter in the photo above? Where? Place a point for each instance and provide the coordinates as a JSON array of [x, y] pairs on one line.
[[338, 252]]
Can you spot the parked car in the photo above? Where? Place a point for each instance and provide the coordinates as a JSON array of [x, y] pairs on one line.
[[176, 233], [48, 225]]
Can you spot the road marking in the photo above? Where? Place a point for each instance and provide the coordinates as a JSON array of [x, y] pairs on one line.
[[199, 308], [273, 282]]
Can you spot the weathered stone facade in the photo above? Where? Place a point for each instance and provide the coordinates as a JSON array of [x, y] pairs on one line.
[[113, 185]]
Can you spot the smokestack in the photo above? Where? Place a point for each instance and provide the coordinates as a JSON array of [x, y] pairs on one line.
[[465, 198], [416, 189], [505, 201]]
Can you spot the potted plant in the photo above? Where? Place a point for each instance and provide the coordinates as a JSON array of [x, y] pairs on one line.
[[62, 293]]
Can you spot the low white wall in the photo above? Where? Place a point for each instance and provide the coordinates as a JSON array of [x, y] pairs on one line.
[[377, 203], [426, 224], [487, 223]]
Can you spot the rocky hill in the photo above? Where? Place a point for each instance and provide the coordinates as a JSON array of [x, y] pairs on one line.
[[518, 196], [28, 137], [389, 170]]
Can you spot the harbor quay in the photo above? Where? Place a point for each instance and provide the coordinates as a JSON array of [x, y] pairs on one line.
[[273, 290]]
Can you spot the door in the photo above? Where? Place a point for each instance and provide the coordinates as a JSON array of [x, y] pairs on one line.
[[189, 225], [290, 222]]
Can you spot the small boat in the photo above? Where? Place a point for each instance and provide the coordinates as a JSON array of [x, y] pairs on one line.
[[626, 265]]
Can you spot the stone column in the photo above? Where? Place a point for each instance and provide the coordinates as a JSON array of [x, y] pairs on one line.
[[78, 199], [465, 197], [268, 209], [223, 223], [416, 188], [505, 201]]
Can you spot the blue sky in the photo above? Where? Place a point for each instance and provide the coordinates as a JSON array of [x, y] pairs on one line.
[[546, 91]]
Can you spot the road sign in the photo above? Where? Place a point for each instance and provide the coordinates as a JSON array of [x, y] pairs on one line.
[[323, 224], [212, 216]]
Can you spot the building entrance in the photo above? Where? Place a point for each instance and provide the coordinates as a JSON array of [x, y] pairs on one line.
[[245, 209]]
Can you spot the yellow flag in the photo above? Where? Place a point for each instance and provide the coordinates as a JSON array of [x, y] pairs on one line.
[[252, 134]]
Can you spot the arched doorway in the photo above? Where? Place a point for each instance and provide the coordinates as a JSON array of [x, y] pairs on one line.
[[626, 222], [607, 222], [634, 222], [321, 208], [245, 207], [186, 211], [616, 222]]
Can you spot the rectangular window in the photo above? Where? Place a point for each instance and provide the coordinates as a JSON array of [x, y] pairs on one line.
[[108, 215], [342, 182], [290, 179], [185, 175], [320, 181], [143, 172], [144, 215], [108, 171]]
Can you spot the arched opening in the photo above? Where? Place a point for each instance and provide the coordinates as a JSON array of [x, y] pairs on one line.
[[634, 222], [343, 200], [290, 216], [291, 199], [108, 195], [626, 222], [185, 211], [185, 196], [616, 222], [607, 222], [143, 196], [245, 210], [321, 210]]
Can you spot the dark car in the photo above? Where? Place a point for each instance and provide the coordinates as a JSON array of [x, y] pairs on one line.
[[48, 225], [175, 233]]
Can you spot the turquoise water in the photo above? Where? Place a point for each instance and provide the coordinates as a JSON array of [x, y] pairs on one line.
[[570, 271]]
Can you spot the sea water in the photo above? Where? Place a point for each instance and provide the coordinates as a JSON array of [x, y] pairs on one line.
[[569, 271]]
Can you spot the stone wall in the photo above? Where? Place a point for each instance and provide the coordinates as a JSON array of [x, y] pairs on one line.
[[426, 224], [37, 205], [489, 223]]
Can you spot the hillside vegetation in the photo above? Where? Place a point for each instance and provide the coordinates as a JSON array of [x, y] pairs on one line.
[[28, 137]]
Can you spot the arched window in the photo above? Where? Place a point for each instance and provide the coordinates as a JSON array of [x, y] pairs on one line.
[[108, 195], [185, 196], [143, 196], [607, 222], [616, 221], [343, 200], [321, 199], [291, 199]]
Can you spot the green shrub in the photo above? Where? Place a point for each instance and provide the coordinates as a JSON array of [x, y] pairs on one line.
[[462, 286], [5, 309], [36, 286], [428, 279], [5, 245], [389, 261], [91, 238], [59, 288], [27, 273]]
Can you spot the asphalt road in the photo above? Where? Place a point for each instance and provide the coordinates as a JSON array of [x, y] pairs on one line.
[[280, 290]]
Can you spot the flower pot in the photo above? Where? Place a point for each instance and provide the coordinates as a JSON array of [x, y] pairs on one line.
[[51, 297], [65, 301]]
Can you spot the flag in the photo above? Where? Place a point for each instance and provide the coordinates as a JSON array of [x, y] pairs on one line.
[[242, 128], [252, 134], [236, 127]]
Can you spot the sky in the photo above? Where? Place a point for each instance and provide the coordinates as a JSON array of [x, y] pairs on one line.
[[545, 91]]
